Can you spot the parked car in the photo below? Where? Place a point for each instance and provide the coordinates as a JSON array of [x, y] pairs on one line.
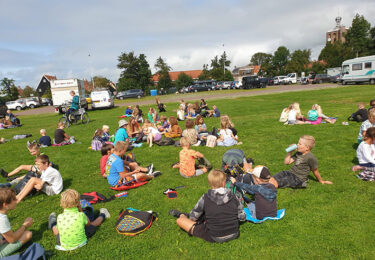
[[304, 80], [291, 78], [46, 101], [335, 78], [32, 102], [3, 109], [131, 93], [226, 84], [16, 104], [200, 87], [101, 99], [252, 82], [266, 81], [278, 80], [320, 78]]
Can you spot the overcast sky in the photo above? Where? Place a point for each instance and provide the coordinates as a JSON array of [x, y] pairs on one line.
[[56, 37]]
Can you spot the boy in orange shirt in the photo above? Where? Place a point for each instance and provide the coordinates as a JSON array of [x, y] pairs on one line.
[[187, 161]]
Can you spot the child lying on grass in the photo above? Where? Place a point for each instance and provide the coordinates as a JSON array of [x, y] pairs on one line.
[[72, 228], [304, 162], [216, 216]]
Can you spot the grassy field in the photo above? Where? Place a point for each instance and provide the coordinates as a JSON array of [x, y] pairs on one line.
[[322, 221]]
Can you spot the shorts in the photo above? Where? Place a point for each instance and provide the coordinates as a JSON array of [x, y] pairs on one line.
[[157, 137], [196, 173], [47, 189], [126, 180], [287, 179], [9, 248], [292, 122], [89, 231], [35, 169], [201, 231]]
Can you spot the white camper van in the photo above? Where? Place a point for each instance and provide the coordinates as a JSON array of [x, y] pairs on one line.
[[101, 99], [359, 70], [60, 90]]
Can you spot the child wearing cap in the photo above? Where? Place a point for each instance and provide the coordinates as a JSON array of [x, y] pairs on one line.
[[304, 162], [121, 134], [265, 204]]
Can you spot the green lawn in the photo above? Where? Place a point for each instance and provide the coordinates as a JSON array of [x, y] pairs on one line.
[[322, 221]]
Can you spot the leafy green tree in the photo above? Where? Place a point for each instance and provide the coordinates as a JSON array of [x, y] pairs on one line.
[[358, 36], [317, 67], [334, 54], [183, 80], [260, 58], [9, 89], [163, 69], [372, 36], [28, 92], [205, 74], [101, 82], [280, 59], [135, 73], [298, 61], [218, 68]]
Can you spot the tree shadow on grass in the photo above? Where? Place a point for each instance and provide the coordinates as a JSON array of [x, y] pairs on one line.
[[355, 146], [67, 183], [355, 160]]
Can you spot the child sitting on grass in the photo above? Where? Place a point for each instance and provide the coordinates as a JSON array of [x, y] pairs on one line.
[[226, 137], [181, 113], [265, 204], [164, 124], [106, 151], [11, 241], [201, 127], [187, 161], [72, 228], [120, 174], [360, 115], [50, 182], [220, 209], [153, 135], [190, 133], [305, 161], [45, 140], [61, 137], [366, 156], [96, 142], [105, 135], [174, 129], [370, 122]]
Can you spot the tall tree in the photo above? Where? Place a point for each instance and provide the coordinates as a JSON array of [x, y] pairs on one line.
[[358, 36], [183, 80], [260, 58], [9, 89], [135, 73], [205, 74], [334, 54], [163, 69], [218, 68], [280, 59], [101, 82], [28, 92], [298, 61], [317, 67]]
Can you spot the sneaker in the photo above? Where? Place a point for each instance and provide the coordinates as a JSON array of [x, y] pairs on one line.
[[156, 174], [175, 213], [3, 173], [105, 212], [52, 220], [250, 160], [150, 168], [28, 144], [4, 185]]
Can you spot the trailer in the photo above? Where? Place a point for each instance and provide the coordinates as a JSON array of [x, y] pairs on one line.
[[359, 70], [60, 90]]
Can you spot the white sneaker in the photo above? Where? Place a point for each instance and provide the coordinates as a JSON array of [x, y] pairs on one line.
[[105, 212]]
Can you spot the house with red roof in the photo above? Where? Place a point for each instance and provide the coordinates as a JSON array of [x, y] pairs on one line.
[[174, 75]]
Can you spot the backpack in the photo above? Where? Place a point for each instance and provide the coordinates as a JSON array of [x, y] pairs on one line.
[[132, 221], [165, 141], [312, 115], [87, 209], [238, 193], [94, 197], [33, 252], [211, 141]]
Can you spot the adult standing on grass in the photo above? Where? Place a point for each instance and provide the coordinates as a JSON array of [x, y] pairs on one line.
[[75, 104], [304, 162]]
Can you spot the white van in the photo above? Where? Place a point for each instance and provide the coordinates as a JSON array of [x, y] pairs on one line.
[[359, 70], [102, 98], [291, 78]]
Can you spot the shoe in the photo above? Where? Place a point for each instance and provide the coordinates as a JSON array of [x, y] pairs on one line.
[[11, 178], [3, 173], [250, 160], [150, 168], [52, 220], [156, 174], [175, 213], [105, 212], [5, 185]]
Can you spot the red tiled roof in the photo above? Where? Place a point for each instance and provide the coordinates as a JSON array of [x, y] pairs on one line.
[[49, 77], [174, 74], [323, 62]]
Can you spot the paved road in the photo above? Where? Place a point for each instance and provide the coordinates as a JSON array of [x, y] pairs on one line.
[[206, 95]]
